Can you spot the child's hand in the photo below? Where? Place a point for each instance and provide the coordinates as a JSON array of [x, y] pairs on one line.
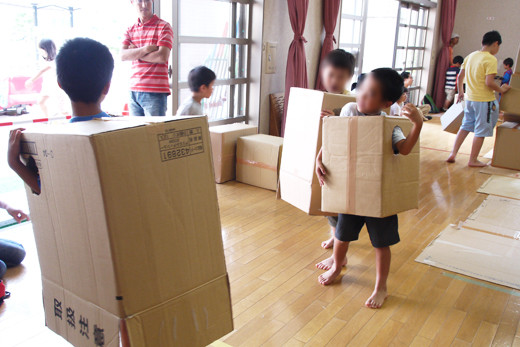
[[13, 150], [320, 170], [460, 97], [18, 215], [326, 113], [412, 113], [505, 88], [29, 84]]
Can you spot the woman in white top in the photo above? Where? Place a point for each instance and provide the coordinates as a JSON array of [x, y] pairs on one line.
[[48, 73]]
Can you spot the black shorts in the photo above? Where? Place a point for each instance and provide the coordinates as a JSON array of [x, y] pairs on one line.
[[383, 232]]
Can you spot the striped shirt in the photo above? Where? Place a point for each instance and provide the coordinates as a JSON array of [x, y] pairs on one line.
[[451, 77], [149, 77]]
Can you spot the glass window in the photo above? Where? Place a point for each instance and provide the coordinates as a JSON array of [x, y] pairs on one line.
[[351, 35]]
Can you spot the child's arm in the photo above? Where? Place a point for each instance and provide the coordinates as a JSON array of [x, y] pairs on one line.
[[490, 83], [320, 169], [326, 113], [13, 158], [406, 146], [460, 85], [30, 82], [131, 53], [18, 215]]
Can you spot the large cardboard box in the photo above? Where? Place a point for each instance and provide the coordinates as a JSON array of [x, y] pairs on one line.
[[510, 101], [224, 147], [127, 228], [364, 176], [507, 142], [451, 120], [299, 185], [258, 160]]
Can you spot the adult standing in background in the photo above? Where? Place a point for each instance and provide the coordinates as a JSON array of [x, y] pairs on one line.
[[453, 42], [148, 44]]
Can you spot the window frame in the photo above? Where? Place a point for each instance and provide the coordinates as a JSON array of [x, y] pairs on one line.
[[349, 46], [243, 44]]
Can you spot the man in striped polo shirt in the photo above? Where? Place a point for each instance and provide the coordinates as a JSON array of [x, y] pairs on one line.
[[148, 44]]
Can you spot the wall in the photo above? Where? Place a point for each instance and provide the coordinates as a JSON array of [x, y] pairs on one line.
[[277, 28], [476, 17]]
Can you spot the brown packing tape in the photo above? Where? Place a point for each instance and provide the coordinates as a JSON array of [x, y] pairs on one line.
[[353, 136], [256, 164]]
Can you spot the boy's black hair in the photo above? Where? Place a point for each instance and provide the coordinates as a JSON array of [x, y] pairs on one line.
[[200, 76], [84, 68], [491, 37], [49, 47], [340, 59], [392, 84], [405, 75], [509, 62], [458, 60]]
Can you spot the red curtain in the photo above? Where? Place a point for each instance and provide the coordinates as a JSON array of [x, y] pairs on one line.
[[330, 18], [448, 8], [296, 72]]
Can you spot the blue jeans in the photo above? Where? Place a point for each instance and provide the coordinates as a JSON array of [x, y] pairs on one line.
[[148, 104], [11, 254]]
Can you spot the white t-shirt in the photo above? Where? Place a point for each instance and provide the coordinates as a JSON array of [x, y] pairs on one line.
[[351, 110], [395, 109], [190, 107]]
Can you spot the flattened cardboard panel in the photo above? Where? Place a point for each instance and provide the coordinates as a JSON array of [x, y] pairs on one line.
[[510, 101], [169, 325], [496, 215], [490, 170], [78, 321], [501, 186], [473, 253], [451, 120]]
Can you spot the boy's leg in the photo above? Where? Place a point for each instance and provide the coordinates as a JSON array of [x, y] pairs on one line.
[[486, 119], [468, 125], [383, 232], [339, 257], [347, 230], [459, 140], [134, 106], [383, 257], [333, 221]]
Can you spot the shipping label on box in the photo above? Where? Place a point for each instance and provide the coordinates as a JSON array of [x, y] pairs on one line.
[[451, 120], [111, 190], [507, 142], [258, 160], [299, 185], [364, 176], [223, 144]]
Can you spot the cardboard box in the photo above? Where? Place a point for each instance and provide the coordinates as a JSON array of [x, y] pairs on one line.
[[510, 101], [127, 228], [298, 182], [515, 80], [224, 147], [258, 160], [451, 120], [507, 142], [364, 176]]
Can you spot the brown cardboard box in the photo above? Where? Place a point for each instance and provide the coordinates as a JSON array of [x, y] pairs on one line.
[[451, 120], [510, 101], [507, 142], [298, 183], [127, 227], [515, 80], [258, 160], [224, 147], [364, 176]]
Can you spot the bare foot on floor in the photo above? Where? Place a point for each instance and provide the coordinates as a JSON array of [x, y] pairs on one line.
[[327, 263], [451, 159], [328, 244], [377, 299], [477, 163], [329, 276]]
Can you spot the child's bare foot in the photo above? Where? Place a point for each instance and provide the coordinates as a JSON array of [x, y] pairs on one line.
[[451, 159], [476, 163], [327, 263], [329, 276], [328, 244], [377, 299]]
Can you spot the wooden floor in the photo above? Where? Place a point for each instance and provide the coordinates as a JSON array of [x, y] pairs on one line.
[[271, 249]]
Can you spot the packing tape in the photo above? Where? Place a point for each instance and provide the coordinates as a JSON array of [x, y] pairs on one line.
[[351, 184], [256, 164]]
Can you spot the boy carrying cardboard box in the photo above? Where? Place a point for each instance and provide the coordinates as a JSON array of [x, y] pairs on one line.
[[379, 90]]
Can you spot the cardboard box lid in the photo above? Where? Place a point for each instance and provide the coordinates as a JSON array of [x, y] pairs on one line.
[[451, 117], [110, 233]]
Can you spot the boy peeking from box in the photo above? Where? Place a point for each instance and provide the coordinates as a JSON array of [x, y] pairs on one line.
[[379, 90]]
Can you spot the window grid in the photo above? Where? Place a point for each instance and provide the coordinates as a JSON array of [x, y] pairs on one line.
[[353, 18]]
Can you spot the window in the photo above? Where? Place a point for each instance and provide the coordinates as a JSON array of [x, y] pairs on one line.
[[221, 43], [410, 43], [352, 30]]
